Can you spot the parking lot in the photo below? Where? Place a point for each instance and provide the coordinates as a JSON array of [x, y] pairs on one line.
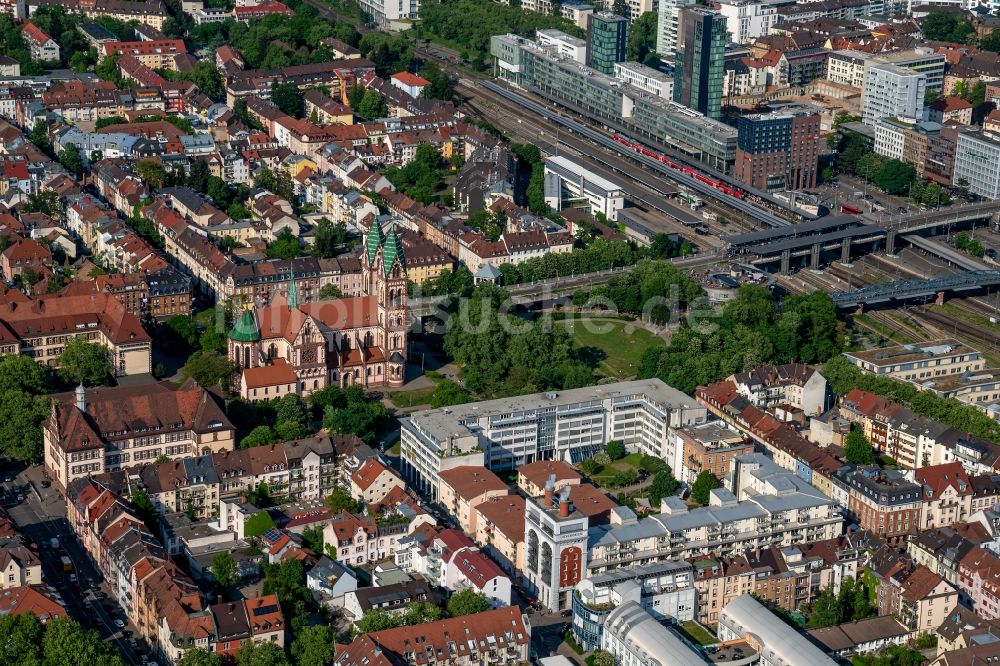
[[40, 512]]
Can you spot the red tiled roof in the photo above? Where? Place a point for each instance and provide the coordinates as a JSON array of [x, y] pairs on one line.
[[505, 515], [279, 373], [366, 474], [467, 635], [409, 79], [34, 33], [938, 478], [477, 567], [471, 481]]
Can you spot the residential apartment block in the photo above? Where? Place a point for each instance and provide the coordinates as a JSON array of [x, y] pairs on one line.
[[768, 506]]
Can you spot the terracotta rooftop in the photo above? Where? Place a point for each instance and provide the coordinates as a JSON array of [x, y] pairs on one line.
[[471, 481]]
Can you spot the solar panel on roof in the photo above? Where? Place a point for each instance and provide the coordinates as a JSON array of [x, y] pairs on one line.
[[264, 610]]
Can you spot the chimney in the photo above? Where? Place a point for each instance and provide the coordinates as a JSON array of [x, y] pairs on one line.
[[81, 398], [564, 503], [550, 490]]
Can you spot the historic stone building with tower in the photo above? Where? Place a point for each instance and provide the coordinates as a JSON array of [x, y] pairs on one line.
[[290, 347]]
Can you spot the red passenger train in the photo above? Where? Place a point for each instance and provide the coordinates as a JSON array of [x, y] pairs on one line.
[[723, 187]]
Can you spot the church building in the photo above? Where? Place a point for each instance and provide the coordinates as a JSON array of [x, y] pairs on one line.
[[292, 347]]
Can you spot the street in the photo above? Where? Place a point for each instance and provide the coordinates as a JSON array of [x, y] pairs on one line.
[[41, 516]]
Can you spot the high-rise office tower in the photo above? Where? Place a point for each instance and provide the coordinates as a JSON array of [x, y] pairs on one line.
[[699, 63], [666, 28], [607, 41]]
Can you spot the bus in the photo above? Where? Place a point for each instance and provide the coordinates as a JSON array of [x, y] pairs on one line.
[[850, 210], [67, 563]]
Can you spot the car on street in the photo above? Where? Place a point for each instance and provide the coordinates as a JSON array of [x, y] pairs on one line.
[[72, 577], [119, 623]]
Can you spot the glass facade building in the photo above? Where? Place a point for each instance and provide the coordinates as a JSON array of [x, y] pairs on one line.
[[607, 41], [699, 65]]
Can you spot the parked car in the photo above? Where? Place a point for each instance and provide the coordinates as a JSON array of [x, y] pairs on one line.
[[119, 623]]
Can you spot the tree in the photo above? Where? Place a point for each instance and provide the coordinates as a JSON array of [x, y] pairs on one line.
[[372, 106], [448, 393], [330, 292], [602, 658], [262, 435], [260, 496], [224, 569], [257, 524], [355, 95], [468, 602], [328, 238], [354, 419], [209, 369], [339, 500], [67, 643], [284, 246], [44, 202], [654, 465], [145, 508], [208, 79], [40, 135], [107, 69], [185, 328], [377, 619], [991, 42], [824, 611], [261, 654], [664, 485], [642, 36], [85, 362], [197, 178], [313, 646], [288, 98], [857, 448], [71, 158], [703, 486], [312, 537], [22, 639], [615, 450], [21, 417], [200, 657]]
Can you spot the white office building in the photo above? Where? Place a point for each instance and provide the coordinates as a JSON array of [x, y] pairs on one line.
[[777, 643], [390, 12], [563, 44], [569, 185], [891, 91], [921, 59], [636, 638], [848, 67], [646, 78], [890, 134], [567, 425], [977, 160], [746, 20], [667, 26]]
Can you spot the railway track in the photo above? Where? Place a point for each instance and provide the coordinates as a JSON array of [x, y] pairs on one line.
[[642, 190]]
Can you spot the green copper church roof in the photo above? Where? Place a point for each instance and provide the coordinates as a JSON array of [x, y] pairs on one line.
[[245, 329], [293, 293], [374, 240], [393, 249]]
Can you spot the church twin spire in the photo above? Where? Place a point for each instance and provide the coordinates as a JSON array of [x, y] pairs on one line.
[[391, 246]]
